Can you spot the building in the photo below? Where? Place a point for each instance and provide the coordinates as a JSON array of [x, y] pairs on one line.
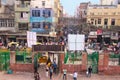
[[82, 10], [6, 22], [45, 14], [105, 16], [22, 19], [109, 2], [41, 17]]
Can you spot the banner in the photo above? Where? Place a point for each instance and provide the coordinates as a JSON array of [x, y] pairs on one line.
[[76, 42], [31, 38]]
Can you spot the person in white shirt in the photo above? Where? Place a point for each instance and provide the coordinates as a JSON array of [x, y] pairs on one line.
[[75, 74]]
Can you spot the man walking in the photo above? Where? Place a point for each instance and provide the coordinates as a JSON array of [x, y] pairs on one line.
[[75, 75], [89, 71]]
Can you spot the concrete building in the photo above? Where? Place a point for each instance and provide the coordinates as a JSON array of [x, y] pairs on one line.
[[6, 22], [22, 15], [109, 2], [82, 10], [104, 15], [48, 12]]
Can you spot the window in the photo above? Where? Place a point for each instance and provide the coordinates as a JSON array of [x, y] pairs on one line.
[[24, 15], [46, 25], [105, 21], [23, 26], [36, 13], [105, 13], [91, 13], [46, 13], [33, 13], [113, 22], [36, 25], [21, 15], [43, 3], [10, 23], [114, 13], [3, 23], [99, 21]]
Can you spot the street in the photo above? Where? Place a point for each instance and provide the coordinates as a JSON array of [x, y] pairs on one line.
[[30, 76]]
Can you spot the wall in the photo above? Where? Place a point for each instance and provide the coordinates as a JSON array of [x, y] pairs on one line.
[[72, 67], [19, 66], [22, 67], [106, 69]]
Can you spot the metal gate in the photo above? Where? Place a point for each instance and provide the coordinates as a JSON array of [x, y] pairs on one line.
[[93, 61], [4, 60]]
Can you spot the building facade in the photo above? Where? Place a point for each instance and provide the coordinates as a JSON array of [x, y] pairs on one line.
[[22, 15], [47, 14], [109, 2], [6, 22], [104, 15], [41, 17], [82, 10]]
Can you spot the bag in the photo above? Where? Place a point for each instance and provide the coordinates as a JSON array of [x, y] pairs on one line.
[[87, 72]]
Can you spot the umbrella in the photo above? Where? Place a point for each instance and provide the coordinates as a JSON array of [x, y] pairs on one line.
[[38, 43], [13, 43]]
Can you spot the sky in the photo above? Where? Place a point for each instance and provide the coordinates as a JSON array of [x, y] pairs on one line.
[[71, 5]]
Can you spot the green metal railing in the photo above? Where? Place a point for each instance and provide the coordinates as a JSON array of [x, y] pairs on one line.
[[72, 56], [93, 61], [4, 60]]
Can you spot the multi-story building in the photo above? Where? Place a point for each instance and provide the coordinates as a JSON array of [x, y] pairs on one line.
[[22, 15], [44, 16], [104, 15], [22, 19], [6, 22], [107, 17], [109, 2], [82, 10], [41, 17]]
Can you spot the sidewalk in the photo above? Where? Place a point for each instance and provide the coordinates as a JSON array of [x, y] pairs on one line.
[[30, 76], [16, 76]]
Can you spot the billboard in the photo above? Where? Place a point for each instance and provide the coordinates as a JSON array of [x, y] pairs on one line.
[[31, 38], [76, 42]]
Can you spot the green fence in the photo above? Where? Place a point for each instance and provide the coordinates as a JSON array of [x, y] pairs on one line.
[[93, 61], [72, 57], [115, 56], [23, 56], [4, 60]]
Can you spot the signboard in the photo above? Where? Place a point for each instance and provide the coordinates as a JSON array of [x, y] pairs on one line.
[[76, 42], [31, 38], [36, 48], [99, 32]]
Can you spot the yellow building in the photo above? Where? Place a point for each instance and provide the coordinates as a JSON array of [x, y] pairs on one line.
[[57, 10], [104, 15]]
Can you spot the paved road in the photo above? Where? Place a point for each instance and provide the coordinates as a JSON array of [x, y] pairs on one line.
[[30, 76]]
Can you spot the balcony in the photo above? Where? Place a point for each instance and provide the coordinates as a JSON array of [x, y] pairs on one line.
[[22, 5]]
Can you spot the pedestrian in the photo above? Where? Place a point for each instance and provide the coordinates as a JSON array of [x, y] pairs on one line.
[[89, 71], [47, 70], [51, 72], [64, 74], [54, 67], [75, 75], [36, 76]]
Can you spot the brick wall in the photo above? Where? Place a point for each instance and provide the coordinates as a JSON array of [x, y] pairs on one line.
[[73, 67], [104, 68], [22, 67]]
